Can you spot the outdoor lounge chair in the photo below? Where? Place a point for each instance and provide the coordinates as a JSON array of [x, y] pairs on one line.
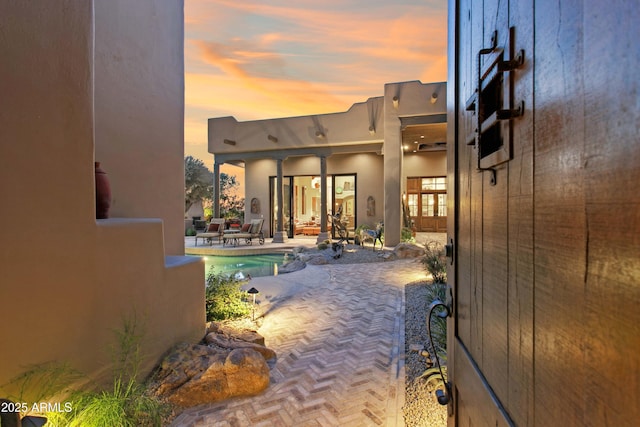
[[214, 230], [248, 232]]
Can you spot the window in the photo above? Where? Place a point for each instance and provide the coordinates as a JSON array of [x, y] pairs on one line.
[[439, 184], [413, 204]]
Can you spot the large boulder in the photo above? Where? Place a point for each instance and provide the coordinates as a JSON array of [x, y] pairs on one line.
[[197, 374], [232, 343], [292, 266], [408, 250], [230, 331]]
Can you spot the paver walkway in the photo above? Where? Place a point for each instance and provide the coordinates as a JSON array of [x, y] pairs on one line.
[[338, 331]]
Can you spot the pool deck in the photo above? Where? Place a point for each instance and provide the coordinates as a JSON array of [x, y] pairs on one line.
[[255, 248]]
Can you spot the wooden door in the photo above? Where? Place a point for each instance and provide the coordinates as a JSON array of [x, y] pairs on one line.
[[427, 203], [490, 180], [545, 223]]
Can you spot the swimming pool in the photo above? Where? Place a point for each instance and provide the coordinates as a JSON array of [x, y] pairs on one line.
[[245, 265]]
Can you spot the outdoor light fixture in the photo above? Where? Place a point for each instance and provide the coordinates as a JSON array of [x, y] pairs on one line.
[[434, 97], [229, 142], [319, 134], [372, 130], [396, 102], [272, 138], [253, 292]]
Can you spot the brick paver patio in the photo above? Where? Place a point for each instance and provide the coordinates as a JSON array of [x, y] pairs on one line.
[[338, 331]]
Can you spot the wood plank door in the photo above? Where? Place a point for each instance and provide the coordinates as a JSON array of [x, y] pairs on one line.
[[490, 183]]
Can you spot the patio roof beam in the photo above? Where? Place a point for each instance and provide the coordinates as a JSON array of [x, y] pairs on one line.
[[308, 151]]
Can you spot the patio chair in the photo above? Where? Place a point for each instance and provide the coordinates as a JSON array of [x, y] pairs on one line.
[[214, 230], [248, 232]]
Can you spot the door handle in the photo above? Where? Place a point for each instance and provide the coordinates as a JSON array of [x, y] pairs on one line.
[[448, 250]]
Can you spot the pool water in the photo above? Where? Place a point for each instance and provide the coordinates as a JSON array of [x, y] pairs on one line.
[[244, 266]]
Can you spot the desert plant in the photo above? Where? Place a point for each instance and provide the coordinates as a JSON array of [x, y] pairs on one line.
[[435, 261], [224, 298], [406, 235], [322, 246], [191, 231], [127, 403]]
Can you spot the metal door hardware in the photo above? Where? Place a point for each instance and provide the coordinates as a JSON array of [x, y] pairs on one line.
[[492, 103]]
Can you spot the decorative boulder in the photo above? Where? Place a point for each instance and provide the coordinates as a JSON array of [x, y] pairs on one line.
[[292, 266], [408, 250], [242, 335], [313, 258], [196, 374], [231, 343]]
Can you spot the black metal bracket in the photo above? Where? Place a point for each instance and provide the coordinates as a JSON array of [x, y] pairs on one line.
[[443, 310], [493, 92]]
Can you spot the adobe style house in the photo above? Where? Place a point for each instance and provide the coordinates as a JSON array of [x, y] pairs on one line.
[[363, 162], [76, 89], [544, 165]]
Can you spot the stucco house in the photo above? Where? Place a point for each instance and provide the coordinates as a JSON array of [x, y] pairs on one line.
[[75, 90], [366, 162]]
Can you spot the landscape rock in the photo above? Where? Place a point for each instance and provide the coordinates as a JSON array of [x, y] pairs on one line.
[[242, 335], [232, 343], [292, 266], [316, 259], [408, 250], [196, 374]]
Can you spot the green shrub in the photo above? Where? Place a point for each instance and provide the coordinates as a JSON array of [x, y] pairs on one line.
[[126, 404], [224, 298], [435, 261], [191, 231], [322, 246], [406, 235]]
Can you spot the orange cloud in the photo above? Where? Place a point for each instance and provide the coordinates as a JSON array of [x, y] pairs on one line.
[[254, 60]]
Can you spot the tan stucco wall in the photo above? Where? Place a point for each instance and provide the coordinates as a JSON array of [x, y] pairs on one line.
[[139, 106], [68, 281], [424, 164]]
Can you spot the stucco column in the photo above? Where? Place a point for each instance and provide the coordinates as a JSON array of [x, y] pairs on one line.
[[323, 235], [216, 190], [392, 167], [280, 236]]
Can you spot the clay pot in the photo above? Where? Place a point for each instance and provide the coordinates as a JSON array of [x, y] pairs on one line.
[[103, 193]]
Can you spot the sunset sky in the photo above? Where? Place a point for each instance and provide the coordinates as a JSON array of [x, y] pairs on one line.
[[278, 58]]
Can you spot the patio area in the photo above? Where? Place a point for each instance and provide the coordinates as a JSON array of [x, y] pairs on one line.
[[338, 331], [217, 248]]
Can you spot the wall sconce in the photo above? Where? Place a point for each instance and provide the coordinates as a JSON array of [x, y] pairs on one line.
[[229, 142], [272, 138], [372, 130], [319, 134], [434, 98], [396, 102]]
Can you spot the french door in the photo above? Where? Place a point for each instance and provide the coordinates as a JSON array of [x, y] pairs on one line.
[[427, 203]]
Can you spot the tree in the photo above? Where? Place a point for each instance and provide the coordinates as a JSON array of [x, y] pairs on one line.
[[231, 205], [198, 186], [198, 182]]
